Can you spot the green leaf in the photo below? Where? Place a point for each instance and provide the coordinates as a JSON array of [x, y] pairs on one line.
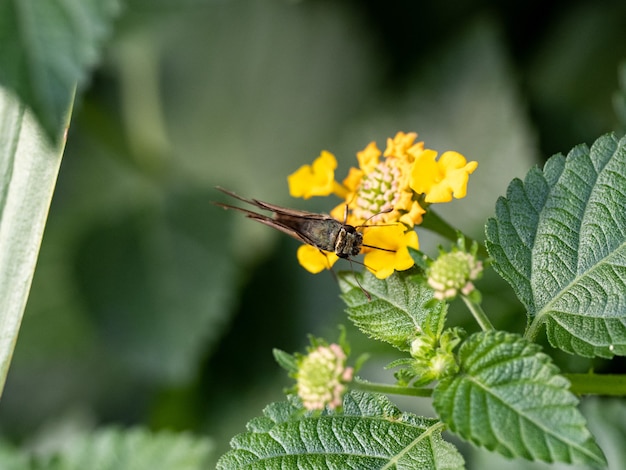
[[137, 449], [46, 49], [509, 398], [398, 309], [285, 360], [28, 170], [370, 433], [559, 239]]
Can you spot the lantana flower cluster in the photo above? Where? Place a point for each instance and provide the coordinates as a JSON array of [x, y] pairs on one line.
[[322, 377], [385, 198], [452, 273]]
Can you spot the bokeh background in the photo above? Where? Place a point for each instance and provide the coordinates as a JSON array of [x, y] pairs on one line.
[[150, 306]]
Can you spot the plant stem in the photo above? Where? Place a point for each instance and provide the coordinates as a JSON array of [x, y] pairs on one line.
[[597, 384], [433, 222], [359, 384], [532, 330], [479, 314]]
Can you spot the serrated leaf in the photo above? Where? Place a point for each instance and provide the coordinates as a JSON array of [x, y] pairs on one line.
[[46, 49], [398, 307], [509, 398], [559, 239], [137, 449], [370, 433]]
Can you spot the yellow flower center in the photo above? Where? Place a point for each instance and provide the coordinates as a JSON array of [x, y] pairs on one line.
[[378, 193]]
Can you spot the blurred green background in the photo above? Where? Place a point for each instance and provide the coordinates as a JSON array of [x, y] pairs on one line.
[[150, 305]]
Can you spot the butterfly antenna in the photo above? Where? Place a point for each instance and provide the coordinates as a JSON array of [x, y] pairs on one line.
[[386, 211], [379, 248]]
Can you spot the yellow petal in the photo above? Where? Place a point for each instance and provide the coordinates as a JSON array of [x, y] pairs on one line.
[[339, 212], [452, 160], [378, 262], [400, 144], [425, 172], [353, 180], [404, 260], [317, 179], [415, 151], [392, 254], [457, 172], [368, 157], [441, 180], [439, 193], [315, 260], [414, 216]]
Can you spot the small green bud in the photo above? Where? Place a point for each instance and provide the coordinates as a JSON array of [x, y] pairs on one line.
[[443, 364], [422, 346]]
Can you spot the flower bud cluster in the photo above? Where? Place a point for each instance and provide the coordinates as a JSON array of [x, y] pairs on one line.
[[432, 358], [322, 377], [452, 273]]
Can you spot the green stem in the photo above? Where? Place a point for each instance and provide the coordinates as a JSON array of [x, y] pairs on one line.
[[479, 314], [433, 222], [532, 330], [359, 384], [597, 384]]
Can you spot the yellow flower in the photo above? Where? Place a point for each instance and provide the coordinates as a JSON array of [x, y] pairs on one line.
[[315, 260], [317, 179], [387, 247], [383, 197], [440, 180]]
